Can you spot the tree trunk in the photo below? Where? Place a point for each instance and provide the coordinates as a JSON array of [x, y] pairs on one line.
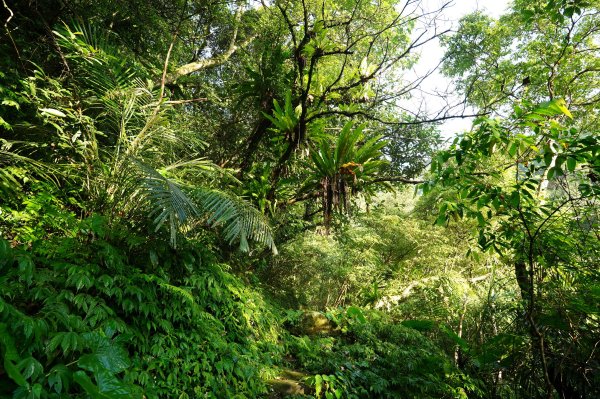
[[253, 143]]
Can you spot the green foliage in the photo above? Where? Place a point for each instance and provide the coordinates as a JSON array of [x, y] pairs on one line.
[[389, 258], [131, 131], [284, 119], [240, 220], [319, 271], [540, 150], [375, 357], [57, 346], [555, 42], [345, 168], [409, 149], [96, 323], [530, 179], [526, 182], [116, 143]]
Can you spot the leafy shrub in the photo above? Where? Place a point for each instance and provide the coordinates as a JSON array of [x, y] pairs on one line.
[[100, 314], [377, 358]]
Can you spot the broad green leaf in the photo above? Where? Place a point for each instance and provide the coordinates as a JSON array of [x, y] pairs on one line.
[[562, 105], [515, 199], [30, 368], [13, 372], [512, 149], [441, 220], [53, 112], [8, 343], [11, 103], [112, 386], [480, 219], [58, 378], [5, 124], [355, 313], [81, 378], [36, 390], [318, 385]]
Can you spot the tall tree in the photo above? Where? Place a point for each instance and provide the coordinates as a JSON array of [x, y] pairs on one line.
[[537, 52], [530, 178]]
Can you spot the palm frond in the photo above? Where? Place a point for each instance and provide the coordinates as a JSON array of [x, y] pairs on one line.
[[167, 202], [11, 161], [8, 184], [239, 219], [344, 149], [130, 108], [112, 84], [370, 150]]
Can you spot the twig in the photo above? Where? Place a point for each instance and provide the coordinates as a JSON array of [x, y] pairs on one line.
[[164, 74], [152, 117], [177, 102], [12, 14], [395, 179]]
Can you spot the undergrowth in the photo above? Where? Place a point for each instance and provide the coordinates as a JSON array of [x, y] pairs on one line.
[[101, 313]]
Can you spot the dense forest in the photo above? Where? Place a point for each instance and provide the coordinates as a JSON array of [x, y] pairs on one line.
[[251, 199]]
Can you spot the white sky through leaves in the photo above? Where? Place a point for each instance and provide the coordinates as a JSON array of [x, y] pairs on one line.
[[432, 53]]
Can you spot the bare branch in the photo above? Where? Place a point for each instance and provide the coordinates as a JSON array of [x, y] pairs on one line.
[[400, 179]]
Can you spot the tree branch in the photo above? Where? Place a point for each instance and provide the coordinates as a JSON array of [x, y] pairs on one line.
[[217, 59], [395, 179]]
